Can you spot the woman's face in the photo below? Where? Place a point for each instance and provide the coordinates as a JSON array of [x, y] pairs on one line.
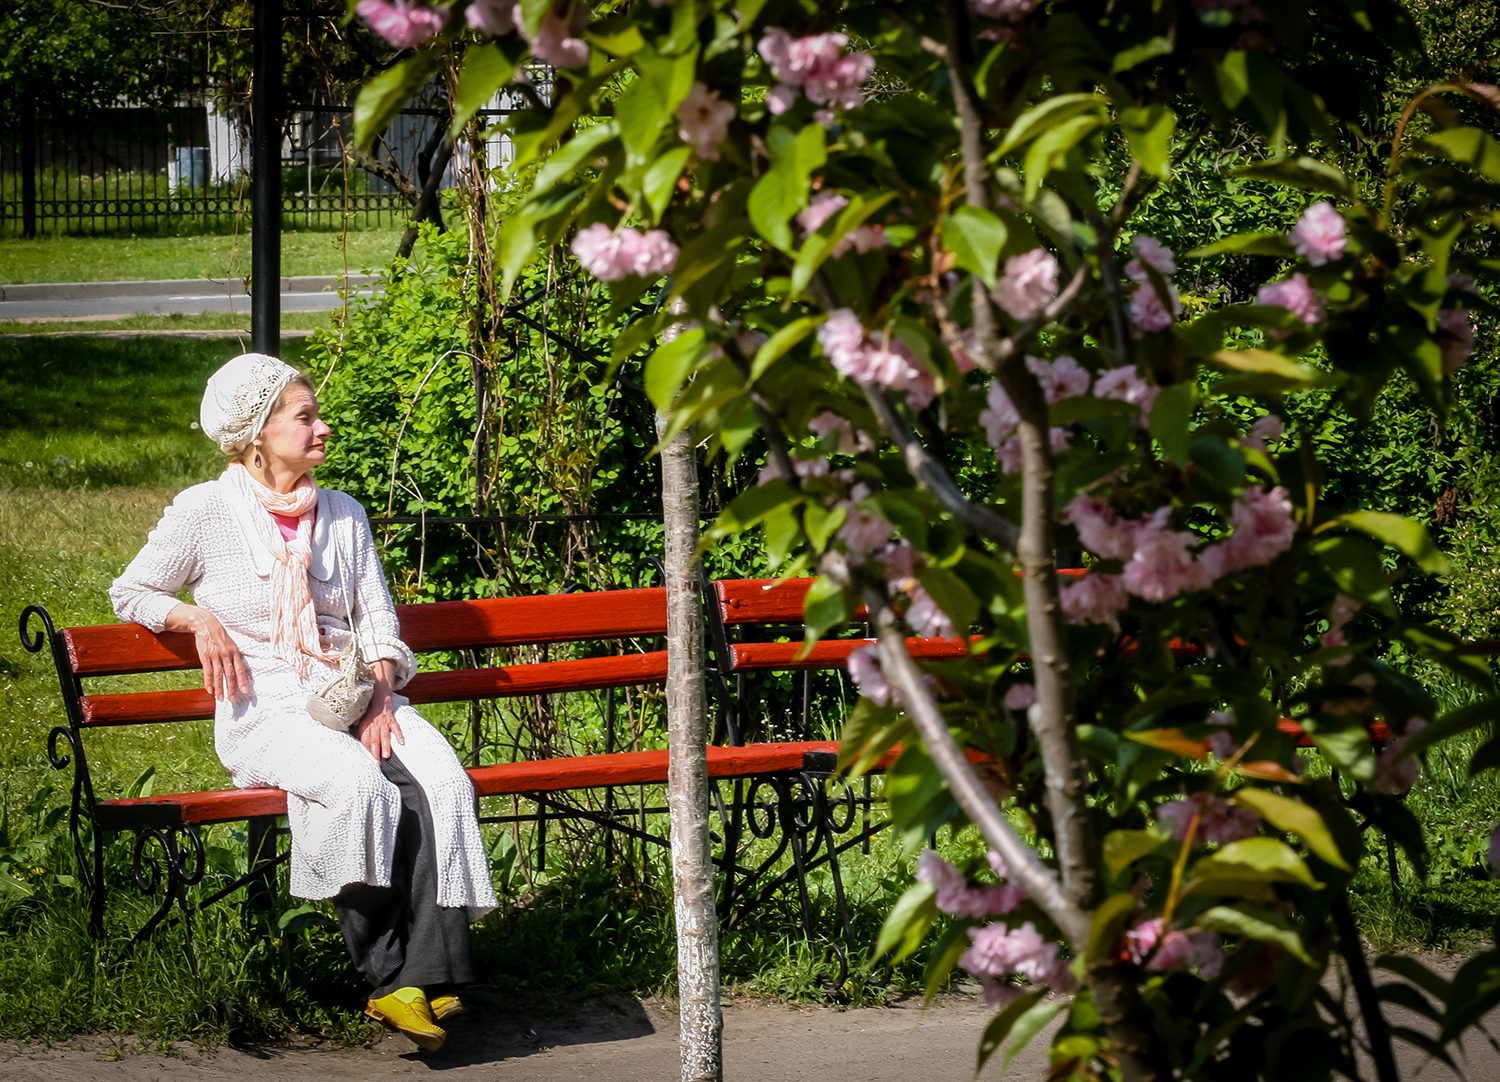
[[293, 436]]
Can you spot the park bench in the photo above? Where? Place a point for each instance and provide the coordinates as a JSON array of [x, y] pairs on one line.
[[778, 787]]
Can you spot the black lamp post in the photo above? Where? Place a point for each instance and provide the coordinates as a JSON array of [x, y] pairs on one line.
[[265, 182]]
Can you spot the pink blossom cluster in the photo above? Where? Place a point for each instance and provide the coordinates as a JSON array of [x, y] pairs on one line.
[[862, 238], [1264, 429], [1264, 525], [1340, 613], [1158, 562], [850, 441], [1318, 236], [1006, 11], [864, 669], [1396, 772], [1148, 311], [863, 532], [958, 897], [817, 66], [1020, 696], [1028, 284], [612, 254], [1126, 384], [557, 41], [1176, 950], [1059, 379], [1221, 743], [999, 951], [1094, 599], [703, 119], [493, 18], [1296, 295], [924, 614], [1219, 821], [888, 365], [404, 24]]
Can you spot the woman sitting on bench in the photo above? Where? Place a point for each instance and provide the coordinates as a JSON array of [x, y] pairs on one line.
[[382, 814]]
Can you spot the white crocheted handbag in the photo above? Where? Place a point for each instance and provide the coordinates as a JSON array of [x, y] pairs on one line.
[[343, 700]]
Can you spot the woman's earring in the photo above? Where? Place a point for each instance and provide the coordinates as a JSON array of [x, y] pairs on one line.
[[257, 460]]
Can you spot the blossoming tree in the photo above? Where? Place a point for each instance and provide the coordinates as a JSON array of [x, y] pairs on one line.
[[896, 242]]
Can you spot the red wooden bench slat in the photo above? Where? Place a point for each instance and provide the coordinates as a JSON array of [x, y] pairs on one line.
[[830, 653], [763, 601], [546, 775], [506, 681], [113, 649]]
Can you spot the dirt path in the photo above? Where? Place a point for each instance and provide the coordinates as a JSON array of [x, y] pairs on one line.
[[619, 1039], [614, 1038]]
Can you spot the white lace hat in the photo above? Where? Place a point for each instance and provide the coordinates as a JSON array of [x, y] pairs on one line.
[[239, 398]]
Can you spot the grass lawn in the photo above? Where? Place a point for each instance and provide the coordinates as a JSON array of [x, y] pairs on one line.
[[177, 321], [115, 259]]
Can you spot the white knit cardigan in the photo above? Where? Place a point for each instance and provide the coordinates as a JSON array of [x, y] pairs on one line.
[[342, 811]]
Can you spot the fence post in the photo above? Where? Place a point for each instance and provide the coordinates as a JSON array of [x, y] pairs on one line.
[[28, 165], [687, 767], [265, 182]]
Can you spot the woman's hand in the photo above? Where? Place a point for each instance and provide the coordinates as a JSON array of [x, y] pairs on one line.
[[224, 673], [378, 728]]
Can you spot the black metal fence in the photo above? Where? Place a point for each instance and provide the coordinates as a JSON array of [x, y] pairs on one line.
[[181, 168]]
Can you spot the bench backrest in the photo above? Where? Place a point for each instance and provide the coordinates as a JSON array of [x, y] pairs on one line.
[[118, 649]]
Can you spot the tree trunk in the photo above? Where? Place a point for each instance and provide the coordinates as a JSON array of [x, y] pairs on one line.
[[687, 770]]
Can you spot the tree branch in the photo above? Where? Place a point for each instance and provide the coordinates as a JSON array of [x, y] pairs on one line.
[[1024, 866], [1065, 770], [934, 477]]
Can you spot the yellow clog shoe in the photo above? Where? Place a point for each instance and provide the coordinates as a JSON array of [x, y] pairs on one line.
[[446, 1007], [407, 1011]]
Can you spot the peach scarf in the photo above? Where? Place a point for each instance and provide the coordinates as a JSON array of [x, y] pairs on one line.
[[294, 622]]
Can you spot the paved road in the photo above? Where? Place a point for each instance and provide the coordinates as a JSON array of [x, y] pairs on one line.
[[191, 296]]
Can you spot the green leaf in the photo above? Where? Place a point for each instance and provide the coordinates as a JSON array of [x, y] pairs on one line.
[[1406, 534], [1052, 147], [825, 606], [1139, 54], [1283, 370], [1273, 244], [820, 522], [1470, 146], [585, 146], [869, 732], [486, 69], [143, 786], [945, 955], [780, 343], [1475, 992], [532, 14], [1453, 723], [1109, 921], [383, 96], [1040, 118], [751, 507], [913, 914], [1000, 1027], [952, 595], [671, 363], [1148, 129], [1123, 848], [1309, 173], [783, 190], [1354, 566], [1170, 416], [1440, 988], [1294, 817], [1261, 924], [920, 800], [818, 248], [661, 176], [975, 236], [1249, 863], [1032, 1021], [1084, 407]]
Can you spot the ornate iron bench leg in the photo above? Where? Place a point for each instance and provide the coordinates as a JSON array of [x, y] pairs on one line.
[[184, 868]]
